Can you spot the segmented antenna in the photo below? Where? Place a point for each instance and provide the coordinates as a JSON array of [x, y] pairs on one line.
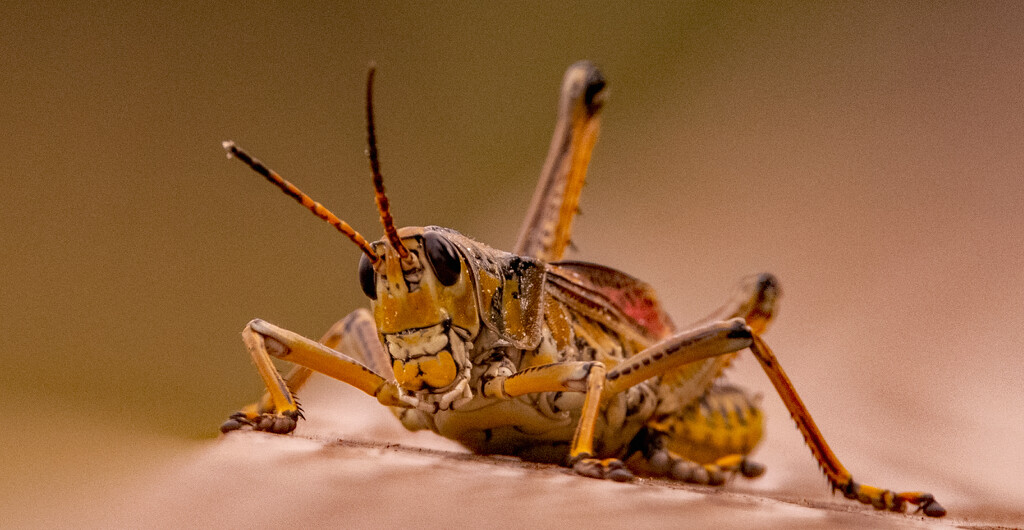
[[383, 206], [290, 190]]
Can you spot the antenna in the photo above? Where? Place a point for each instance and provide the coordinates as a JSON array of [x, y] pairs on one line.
[[290, 190], [383, 206]]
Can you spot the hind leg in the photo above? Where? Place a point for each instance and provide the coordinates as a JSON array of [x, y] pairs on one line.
[[669, 359], [702, 441]]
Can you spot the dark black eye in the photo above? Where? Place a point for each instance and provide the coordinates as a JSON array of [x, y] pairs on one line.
[[367, 278], [443, 258]]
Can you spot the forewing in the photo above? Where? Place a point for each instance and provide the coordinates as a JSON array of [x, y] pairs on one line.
[[616, 299]]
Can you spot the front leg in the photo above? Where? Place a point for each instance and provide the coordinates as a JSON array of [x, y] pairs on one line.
[[278, 410]]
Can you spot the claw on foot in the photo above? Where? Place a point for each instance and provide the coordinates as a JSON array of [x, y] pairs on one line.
[[609, 468], [930, 507], [277, 423], [694, 473], [235, 422], [666, 464], [738, 463], [882, 499], [751, 469]]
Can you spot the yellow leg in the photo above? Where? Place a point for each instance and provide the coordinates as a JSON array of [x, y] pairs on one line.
[[548, 223], [726, 337], [292, 347], [348, 328], [712, 340], [576, 376], [837, 475], [754, 300], [590, 377], [573, 376], [278, 411], [702, 432]]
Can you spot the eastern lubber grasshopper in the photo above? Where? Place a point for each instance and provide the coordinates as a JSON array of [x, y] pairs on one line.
[[518, 353]]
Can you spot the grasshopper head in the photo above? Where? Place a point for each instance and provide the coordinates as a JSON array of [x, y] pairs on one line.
[[426, 313], [432, 291]]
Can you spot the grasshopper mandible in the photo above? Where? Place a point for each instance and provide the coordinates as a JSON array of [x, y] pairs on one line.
[[518, 353]]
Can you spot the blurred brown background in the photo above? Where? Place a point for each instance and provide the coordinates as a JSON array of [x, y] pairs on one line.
[[869, 155]]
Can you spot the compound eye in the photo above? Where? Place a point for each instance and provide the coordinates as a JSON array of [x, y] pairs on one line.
[[443, 258], [367, 277]]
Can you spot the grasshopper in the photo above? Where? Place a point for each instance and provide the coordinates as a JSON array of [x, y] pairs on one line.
[[519, 353]]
